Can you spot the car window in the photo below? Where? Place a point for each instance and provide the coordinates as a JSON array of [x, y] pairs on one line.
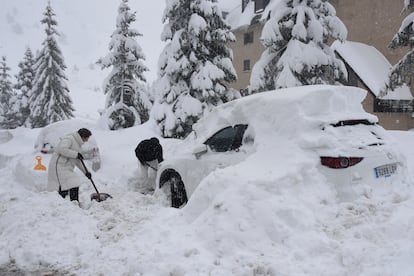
[[226, 139], [237, 142]]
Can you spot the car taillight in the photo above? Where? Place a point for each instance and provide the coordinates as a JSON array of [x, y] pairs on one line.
[[340, 162]]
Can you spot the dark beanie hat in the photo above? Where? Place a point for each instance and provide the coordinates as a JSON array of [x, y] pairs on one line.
[[84, 132]]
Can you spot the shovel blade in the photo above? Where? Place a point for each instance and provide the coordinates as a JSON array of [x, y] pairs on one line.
[[100, 197]]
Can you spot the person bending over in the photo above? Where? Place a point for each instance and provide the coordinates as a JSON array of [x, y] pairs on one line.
[[149, 153]]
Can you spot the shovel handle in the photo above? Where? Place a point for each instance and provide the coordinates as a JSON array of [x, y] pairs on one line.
[[93, 183]]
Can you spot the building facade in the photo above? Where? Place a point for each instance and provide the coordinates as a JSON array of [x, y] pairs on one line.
[[370, 22]]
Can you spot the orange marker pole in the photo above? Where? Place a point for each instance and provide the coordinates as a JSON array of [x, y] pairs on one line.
[[39, 166]]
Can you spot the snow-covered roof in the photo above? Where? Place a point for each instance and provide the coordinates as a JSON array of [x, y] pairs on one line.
[[372, 68], [236, 18]]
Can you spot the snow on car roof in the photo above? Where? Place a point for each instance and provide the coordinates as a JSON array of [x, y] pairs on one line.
[[54, 132], [303, 107]]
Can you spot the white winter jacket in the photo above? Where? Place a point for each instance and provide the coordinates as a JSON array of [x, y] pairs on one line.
[[62, 164]]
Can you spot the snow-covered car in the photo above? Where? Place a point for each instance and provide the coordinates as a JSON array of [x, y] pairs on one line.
[[50, 136], [327, 123]]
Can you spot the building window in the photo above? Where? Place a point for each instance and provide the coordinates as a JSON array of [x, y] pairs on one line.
[[246, 65], [260, 5], [248, 38], [352, 78], [393, 106]]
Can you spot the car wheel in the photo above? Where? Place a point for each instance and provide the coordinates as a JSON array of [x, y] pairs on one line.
[[178, 193]]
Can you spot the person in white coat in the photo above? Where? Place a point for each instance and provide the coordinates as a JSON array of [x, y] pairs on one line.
[[67, 155]]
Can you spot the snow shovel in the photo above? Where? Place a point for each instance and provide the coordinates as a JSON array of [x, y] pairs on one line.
[[96, 196]]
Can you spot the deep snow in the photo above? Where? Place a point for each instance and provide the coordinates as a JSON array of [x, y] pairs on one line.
[[287, 221], [283, 222]]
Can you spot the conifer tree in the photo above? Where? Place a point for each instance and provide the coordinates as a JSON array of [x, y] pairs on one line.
[[195, 65], [25, 80], [127, 103], [296, 52], [401, 72], [49, 99], [7, 95]]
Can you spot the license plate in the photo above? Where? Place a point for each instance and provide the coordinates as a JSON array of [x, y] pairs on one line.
[[386, 170]]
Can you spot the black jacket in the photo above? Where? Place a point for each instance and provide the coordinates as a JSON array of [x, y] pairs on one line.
[[148, 150]]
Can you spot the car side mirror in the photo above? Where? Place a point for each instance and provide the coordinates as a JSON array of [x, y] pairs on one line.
[[199, 150]]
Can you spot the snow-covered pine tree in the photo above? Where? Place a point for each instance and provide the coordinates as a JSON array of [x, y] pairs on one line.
[[7, 96], [408, 4], [25, 80], [127, 103], [296, 54], [194, 65], [49, 99], [401, 72]]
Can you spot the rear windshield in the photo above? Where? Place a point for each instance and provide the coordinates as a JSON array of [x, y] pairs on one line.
[[353, 122], [356, 133]]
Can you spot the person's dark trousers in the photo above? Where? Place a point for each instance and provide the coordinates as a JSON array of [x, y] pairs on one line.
[[73, 193]]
